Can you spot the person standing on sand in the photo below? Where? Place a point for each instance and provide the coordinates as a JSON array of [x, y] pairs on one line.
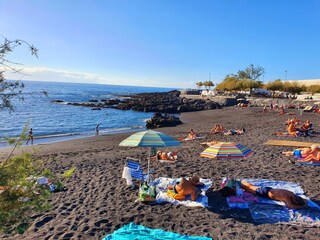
[[30, 137], [97, 129]]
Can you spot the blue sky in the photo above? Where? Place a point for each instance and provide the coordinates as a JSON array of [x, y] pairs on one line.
[[163, 42]]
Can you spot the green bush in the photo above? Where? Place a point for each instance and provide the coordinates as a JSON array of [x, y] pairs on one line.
[[22, 196]]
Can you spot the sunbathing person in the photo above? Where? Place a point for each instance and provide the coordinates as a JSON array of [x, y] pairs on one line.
[[217, 129], [293, 120], [305, 128], [235, 132], [292, 129], [166, 156], [192, 135], [282, 110], [188, 187], [289, 198], [298, 153], [314, 155], [210, 143]]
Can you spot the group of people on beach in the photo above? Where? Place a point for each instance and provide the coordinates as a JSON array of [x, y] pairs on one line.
[[293, 128], [231, 187], [274, 107]]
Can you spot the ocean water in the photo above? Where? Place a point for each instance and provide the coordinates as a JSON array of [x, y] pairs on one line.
[[55, 122]]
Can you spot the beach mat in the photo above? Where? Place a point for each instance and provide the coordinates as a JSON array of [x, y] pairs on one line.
[[162, 184], [133, 231], [288, 143]]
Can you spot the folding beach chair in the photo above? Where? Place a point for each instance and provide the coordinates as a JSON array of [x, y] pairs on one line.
[[136, 169]]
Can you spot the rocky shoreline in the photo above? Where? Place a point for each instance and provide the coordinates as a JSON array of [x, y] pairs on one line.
[[166, 102]]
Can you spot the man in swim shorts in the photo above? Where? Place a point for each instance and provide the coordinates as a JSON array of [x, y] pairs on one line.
[[314, 155], [299, 153], [289, 198], [189, 187]]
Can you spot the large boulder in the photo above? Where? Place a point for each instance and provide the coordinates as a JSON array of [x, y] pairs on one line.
[[162, 120]]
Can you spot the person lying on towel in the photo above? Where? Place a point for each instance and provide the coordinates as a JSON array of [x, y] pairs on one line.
[[291, 200], [187, 187], [166, 155], [214, 142], [217, 129], [235, 132], [314, 155], [298, 153]]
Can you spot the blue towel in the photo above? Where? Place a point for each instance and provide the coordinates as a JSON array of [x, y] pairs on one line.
[[133, 231], [308, 163]]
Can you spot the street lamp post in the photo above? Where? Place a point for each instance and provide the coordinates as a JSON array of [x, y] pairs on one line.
[[285, 76]]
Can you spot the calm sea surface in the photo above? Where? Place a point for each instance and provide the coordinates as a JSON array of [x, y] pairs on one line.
[[55, 122]]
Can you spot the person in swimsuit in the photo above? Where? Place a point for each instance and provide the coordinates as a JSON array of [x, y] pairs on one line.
[[189, 187], [314, 155], [298, 153], [166, 156], [97, 129], [289, 198], [292, 129], [192, 135], [235, 132], [30, 137], [217, 129], [305, 127]]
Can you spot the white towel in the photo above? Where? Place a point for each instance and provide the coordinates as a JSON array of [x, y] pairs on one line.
[[127, 175]]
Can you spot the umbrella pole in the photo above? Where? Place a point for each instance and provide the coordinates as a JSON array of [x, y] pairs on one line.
[[148, 180], [152, 151]]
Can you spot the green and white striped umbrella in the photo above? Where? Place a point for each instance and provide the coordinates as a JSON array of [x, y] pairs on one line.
[[151, 139]]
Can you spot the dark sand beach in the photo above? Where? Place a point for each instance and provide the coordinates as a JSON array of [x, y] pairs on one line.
[[98, 201]]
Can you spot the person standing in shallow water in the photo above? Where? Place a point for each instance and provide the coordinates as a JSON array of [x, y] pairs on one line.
[[30, 136], [97, 129]]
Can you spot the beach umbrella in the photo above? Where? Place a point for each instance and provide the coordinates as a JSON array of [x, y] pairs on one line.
[[226, 150], [151, 139]]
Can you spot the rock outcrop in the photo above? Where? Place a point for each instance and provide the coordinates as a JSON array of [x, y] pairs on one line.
[[165, 102], [162, 120]]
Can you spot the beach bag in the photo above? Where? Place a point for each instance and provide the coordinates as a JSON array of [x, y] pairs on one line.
[[147, 193]]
